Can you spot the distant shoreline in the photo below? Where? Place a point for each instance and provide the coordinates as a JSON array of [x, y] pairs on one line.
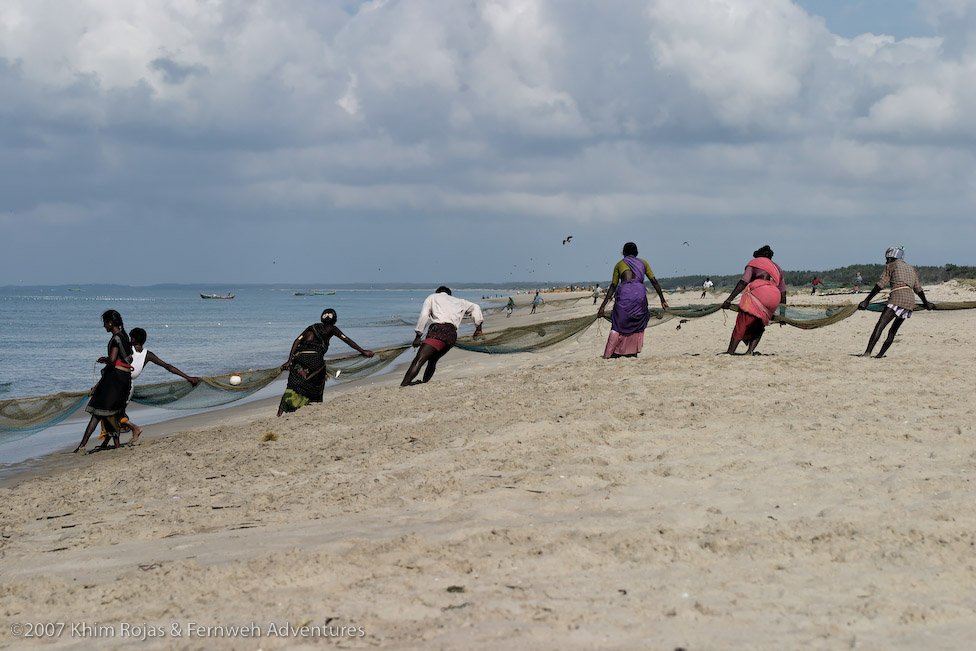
[[794, 277]]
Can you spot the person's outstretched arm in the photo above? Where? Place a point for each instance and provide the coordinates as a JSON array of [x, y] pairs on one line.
[[606, 298], [349, 342], [474, 311], [925, 301], [660, 292], [151, 357], [863, 305], [739, 286]]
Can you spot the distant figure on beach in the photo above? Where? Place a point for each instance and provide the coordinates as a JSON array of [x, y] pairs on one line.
[[903, 279], [510, 307], [536, 302], [306, 363], [707, 286], [630, 311], [141, 355], [858, 281], [110, 394], [765, 290], [596, 294], [444, 313], [816, 281]]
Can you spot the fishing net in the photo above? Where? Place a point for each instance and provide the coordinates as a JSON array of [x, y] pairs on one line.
[[809, 318], [25, 414], [350, 367], [960, 305], [660, 316], [209, 392], [527, 338], [39, 412]]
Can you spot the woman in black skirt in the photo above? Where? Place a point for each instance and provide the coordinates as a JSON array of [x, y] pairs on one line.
[[109, 396], [306, 362]]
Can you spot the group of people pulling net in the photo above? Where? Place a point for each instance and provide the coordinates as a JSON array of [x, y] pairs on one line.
[[763, 301]]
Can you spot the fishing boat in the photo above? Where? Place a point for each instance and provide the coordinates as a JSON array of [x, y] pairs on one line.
[[216, 295]]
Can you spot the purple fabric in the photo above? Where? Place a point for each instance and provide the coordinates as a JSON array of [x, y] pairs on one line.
[[630, 313]]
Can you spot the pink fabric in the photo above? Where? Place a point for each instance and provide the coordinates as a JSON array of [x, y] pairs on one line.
[[761, 297], [770, 267], [619, 344], [747, 327]]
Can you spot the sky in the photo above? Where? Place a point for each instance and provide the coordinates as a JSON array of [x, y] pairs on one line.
[[312, 142]]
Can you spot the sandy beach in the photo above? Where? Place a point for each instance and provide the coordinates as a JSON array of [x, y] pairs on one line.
[[806, 498]]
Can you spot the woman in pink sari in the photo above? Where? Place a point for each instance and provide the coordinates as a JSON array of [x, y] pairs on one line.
[[765, 290]]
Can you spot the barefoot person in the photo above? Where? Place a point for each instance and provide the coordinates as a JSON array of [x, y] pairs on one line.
[[140, 356], [109, 396], [306, 362], [707, 286], [903, 279], [444, 313], [765, 289], [536, 302], [630, 311]]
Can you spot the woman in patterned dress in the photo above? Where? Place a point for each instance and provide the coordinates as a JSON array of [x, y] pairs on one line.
[[306, 362]]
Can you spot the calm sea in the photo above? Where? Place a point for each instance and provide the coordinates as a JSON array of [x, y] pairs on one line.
[[50, 338]]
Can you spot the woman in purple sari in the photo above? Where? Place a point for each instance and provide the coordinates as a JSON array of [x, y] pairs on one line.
[[630, 312]]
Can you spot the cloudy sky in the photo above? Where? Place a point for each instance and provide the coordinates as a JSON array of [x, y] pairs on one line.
[[318, 142]]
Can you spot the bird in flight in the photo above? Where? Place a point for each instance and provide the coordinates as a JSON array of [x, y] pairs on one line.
[[686, 244], [568, 239]]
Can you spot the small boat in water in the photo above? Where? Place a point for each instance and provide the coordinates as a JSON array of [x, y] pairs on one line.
[[216, 295], [314, 293]]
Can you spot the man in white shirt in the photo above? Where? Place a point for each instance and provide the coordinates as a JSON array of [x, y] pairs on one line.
[[444, 313], [707, 286]]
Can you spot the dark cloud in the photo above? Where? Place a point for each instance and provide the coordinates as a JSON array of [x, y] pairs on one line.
[[173, 72]]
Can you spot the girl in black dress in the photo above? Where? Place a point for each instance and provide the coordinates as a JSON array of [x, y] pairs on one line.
[[109, 396]]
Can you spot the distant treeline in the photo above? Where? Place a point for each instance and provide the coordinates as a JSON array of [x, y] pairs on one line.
[[842, 276]]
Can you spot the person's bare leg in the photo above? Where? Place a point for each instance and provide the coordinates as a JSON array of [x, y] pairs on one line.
[[891, 338], [883, 321], [733, 344], [424, 353], [136, 431], [432, 365], [752, 345], [92, 424]]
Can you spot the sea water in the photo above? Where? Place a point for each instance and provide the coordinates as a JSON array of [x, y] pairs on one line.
[[50, 338]]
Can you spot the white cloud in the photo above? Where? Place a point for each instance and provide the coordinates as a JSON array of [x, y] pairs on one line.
[[645, 111]]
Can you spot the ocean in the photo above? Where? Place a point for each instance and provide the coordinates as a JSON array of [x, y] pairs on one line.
[[50, 338]]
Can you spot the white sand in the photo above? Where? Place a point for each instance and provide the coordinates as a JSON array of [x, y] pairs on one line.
[[803, 499]]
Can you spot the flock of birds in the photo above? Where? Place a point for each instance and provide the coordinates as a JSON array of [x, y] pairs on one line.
[[568, 240]]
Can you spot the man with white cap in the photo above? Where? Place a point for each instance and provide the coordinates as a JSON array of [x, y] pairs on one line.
[[903, 279]]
